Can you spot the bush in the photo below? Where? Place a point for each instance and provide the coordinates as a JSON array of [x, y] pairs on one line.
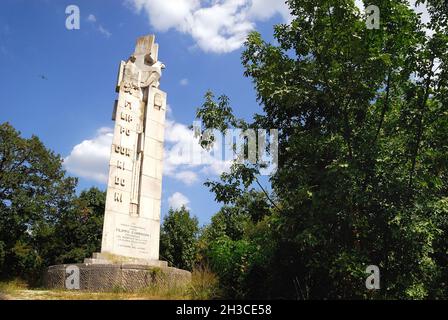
[[178, 238], [204, 284]]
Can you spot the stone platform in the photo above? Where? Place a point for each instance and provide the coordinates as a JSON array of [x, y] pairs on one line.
[[112, 277], [108, 258]]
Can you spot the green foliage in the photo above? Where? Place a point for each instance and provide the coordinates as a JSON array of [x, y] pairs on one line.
[[236, 248], [227, 222], [33, 193], [204, 284], [79, 230], [231, 259], [178, 238], [2, 254], [363, 159], [42, 221]]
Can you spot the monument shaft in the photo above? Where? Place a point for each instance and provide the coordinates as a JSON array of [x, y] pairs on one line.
[[130, 246], [132, 215]]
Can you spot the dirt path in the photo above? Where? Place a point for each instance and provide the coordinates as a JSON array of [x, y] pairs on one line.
[[4, 297], [24, 294]]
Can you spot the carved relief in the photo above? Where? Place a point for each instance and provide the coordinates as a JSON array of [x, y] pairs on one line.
[[121, 165], [126, 117], [122, 150], [125, 131], [142, 70], [131, 75], [118, 197], [158, 101], [120, 181], [130, 198]]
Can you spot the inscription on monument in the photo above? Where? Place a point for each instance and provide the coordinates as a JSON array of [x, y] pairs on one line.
[[126, 117], [132, 237], [118, 197], [121, 165], [125, 131], [123, 151], [120, 181], [132, 217]]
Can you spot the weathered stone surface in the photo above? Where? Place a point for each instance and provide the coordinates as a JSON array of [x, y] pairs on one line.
[[129, 257], [104, 258], [134, 191], [112, 277]]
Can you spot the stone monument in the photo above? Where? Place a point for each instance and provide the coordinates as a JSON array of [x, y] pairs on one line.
[[132, 218], [131, 231]]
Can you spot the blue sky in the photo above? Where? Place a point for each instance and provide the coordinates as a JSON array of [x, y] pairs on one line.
[[70, 107]]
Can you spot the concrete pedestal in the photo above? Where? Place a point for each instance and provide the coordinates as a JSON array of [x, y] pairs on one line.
[[113, 277]]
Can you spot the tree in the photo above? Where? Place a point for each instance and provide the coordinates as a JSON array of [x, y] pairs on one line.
[[363, 162], [227, 222], [79, 230], [178, 238], [236, 246], [34, 191]]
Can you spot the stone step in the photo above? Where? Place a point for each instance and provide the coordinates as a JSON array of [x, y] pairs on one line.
[[96, 261], [104, 258]]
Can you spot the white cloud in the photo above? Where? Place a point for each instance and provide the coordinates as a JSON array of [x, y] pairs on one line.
[[265, 9], [91, 18], [185, 157], [421, 8], [216, 26], [221, 26], [187, 177], [360, 5], [169, 111], [425, 17], [184, 160], [184, 82], [90, 158], [104, 31], [177, 200]]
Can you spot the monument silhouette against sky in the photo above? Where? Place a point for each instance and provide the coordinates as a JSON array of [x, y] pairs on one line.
[[132, 216], [131, 230]]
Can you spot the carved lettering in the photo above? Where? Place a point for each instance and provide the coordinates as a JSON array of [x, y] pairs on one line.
[[125, 131], [123, 151], [126, 117], [121, 165], [118, 197], [120, 181]]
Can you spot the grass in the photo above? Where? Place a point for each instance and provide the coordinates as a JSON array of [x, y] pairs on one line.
[[203, 286], [12, 291]]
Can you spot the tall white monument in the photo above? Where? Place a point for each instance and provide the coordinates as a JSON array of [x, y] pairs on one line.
[[132, 217], [130, 246]]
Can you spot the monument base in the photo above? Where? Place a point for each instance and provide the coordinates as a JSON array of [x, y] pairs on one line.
[[114, 277], [109, 258]]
